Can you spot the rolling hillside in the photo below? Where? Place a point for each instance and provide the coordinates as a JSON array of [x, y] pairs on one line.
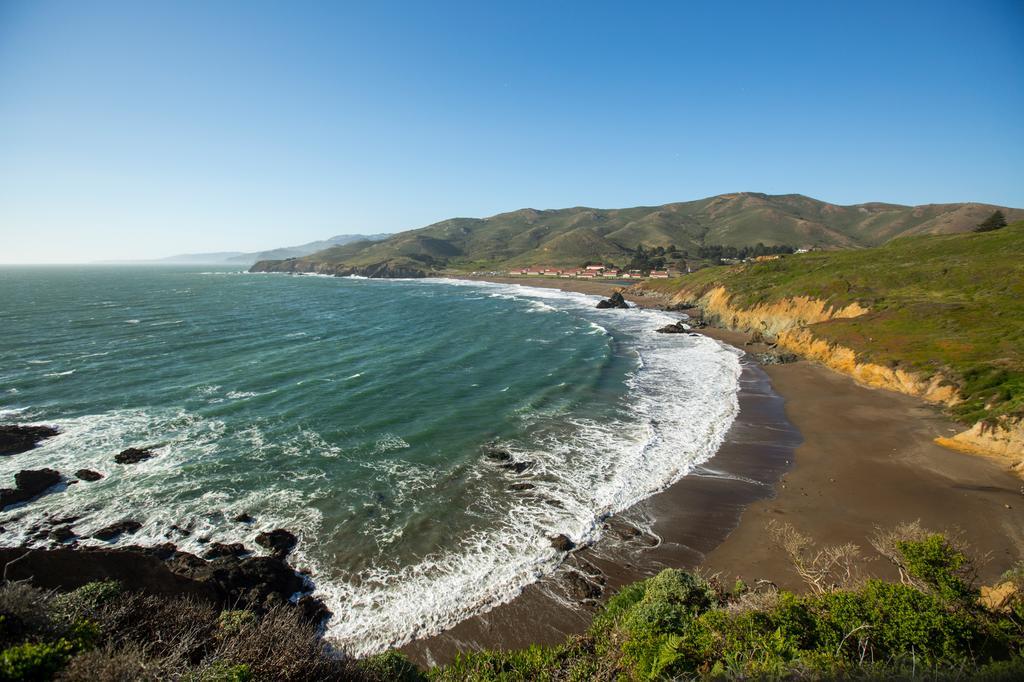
[[566, 237], [941, 317]]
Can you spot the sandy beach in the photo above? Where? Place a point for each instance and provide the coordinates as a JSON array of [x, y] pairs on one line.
[[811, 448]]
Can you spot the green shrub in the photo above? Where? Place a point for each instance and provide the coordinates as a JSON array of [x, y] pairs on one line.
[[83, 602], [390, 666], [34, 660], [230, 622], [222, 671], [942, 567]]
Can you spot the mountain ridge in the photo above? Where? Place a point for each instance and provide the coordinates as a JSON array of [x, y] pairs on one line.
[[571, 236]]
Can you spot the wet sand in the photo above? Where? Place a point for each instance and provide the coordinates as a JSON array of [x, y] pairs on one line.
[[866, 460]]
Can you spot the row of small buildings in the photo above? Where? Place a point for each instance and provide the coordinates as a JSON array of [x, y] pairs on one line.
[[597, 271]]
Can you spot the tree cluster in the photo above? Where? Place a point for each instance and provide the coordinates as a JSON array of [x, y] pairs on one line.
[[994, 222]]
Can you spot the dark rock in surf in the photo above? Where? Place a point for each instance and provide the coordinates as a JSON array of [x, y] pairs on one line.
[[279, 541], [63, 533], [134, 455], [15, 439], [674, 328], [243, 518], [313, 609], [88, 475], [614, 301], [562, 543], [116, 530], [521, 486], [29, 484]]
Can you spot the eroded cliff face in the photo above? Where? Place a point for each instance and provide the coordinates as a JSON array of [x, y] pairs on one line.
[[383, 270], [787, 321]]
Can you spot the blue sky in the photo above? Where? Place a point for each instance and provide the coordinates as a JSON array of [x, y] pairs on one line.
[[146, 129]]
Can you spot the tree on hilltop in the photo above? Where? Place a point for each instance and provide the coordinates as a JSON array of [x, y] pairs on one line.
[[993, 222]]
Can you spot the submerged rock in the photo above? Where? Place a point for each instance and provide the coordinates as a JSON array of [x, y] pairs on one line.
[[88, 475], [521, 486], [15, 439], [614, 301], [518, 467], [29, 484], [279, 541], [497, 452], [134, 455], [243, 518], [115, 530]]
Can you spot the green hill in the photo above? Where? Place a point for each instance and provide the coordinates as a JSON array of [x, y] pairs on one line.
[[943, 305], [571, 236]]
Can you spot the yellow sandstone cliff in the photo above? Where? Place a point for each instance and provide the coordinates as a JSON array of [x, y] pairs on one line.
[[787, 322]]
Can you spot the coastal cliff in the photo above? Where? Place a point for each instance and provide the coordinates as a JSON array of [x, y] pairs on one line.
[[383, 270], [789, 322]]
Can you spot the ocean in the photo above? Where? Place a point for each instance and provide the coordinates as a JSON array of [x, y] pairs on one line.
[[355, 413]]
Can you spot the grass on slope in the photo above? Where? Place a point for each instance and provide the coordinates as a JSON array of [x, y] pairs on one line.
[[951, 304]]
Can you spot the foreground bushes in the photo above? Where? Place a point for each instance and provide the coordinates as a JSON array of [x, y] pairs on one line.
[[98, 632], [677, 625], [681, 626]]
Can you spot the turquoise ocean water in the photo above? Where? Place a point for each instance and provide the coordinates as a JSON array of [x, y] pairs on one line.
[[353, 412]]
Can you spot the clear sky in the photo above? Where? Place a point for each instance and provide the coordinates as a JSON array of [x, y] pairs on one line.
[[145, 129]]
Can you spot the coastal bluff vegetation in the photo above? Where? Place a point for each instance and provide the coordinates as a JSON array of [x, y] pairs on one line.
[[939, 317], [571, 236], [935, 622]]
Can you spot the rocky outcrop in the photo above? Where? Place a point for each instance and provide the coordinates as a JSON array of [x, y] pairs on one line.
[[279, 541], [674, 328], [15, 439], [1004, 437], [134, 455], [614, 301], [29, 484], [383, 270], [776, 358], [116, 530], [563, 543], [255, 583], [88, 475], [785, 323]]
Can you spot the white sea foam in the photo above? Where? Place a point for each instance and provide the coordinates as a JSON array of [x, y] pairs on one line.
[[132, 321], [239, 395], [60, 374], [681, 401]]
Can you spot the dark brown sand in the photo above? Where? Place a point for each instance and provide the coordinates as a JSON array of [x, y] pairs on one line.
[[867, 460]]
